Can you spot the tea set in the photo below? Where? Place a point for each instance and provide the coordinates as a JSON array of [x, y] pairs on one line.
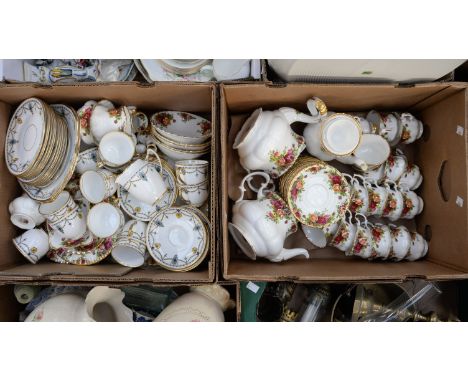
[[113, 190], [335, 208]]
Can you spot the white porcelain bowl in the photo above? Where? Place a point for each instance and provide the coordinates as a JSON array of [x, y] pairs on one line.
[[177, 154]]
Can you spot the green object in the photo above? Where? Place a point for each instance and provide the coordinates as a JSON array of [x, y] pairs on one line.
[[251, 292]]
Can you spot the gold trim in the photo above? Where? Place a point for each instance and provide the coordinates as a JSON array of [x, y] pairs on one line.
[[205, 151], [334, 116], [167, 141]]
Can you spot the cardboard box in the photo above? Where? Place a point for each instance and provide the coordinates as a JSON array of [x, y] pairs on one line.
[[10, 307], [441, 155], [196, 98]]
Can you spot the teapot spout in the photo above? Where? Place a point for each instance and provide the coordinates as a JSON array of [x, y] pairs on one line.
[[287, 254], [292, 115]]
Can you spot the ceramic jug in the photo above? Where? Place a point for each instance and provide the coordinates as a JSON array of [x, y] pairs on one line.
[[204, 303], [266, 141], [102, 304], [24, 212], [260, 226]]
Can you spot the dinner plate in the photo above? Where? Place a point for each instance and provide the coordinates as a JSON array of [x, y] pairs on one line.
[[318, 195], [145, 212], [51, 191], [177, 239], [25, 136]]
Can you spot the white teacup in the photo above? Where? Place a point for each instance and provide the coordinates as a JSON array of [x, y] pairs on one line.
[[87, 160], [377, 199], [142, 180], [395, 167], [413, 205], [231, 69], [33, 244], [105, 118], [388, 126], [130, 246], [401, 242], [24, 212], [116, 149], [72, 226], [362, 245], [98, 185], [341, 134], [418, 248], [320, 237], [394, 205], [411, 178], [412, 128], [359, 197], [56, 210], [105, 220], [382, 240], [375, 174], [344, 236], [191, 172], [372, 150], [195, 195]]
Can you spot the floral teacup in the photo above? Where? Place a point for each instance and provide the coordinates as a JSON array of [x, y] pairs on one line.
[[401, 242], [363, 243], [382, 240], [413, 205], [395, 167], [394, 205], [377, 199], [344, 236], [84, 115], [377, 175], [412, 128], [359, 197], [411, 178], [418, 248]]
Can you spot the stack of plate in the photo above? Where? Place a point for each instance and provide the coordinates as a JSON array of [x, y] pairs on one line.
[[181, 135], [40, 146]]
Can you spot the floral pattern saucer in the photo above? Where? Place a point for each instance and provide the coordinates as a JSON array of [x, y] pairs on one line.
[[145, 212], [176, 124], [90, 254], [177, 239], [319, 195], [25, 136], [51, 191]]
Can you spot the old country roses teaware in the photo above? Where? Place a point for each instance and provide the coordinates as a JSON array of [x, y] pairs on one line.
[[260, 226]]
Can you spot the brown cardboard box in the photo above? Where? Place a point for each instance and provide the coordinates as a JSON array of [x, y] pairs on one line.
[[196, 98], [441, 155], [10, 307]]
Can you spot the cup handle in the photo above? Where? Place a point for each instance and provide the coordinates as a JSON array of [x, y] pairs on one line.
[[152, 150], [249, 176], [366, 223]]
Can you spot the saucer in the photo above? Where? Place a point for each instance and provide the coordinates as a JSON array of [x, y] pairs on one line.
[[91, 254], [177, 239], [145, 212], [182, 127], [51, 191], [318, 195], [25, 136]]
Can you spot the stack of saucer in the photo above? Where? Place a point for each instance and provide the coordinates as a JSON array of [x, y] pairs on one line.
[[36, 144]]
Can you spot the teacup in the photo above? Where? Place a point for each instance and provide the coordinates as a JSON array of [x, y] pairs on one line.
[[24, 212], [56, 210], [195, 195], [382, 240], [412, 128], [142, 180], [388, 126], [401, 242], [362, 245], [413, 205], [411, 178], [139, 122], [359, 197], [321, 237], [395, 167], [260, 226], [418, 248], [266, 141], [366, 126], [340, 134], [84, 115], [105, 220], [72, 226], [376, 174], [191, 172], [87, 160], [372, 150], [105, 119], [377, 199], [344, 236], [98, 185], [130, 247], [116, 149], [33, 244], [394, 205]]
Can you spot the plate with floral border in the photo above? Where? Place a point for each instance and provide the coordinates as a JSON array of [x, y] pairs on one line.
[[51, 191], [145, 212], [318, 195], [91, 254], [182, 127], [177, 239]]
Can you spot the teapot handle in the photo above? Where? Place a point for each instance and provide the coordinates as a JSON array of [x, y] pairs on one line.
[[247, 178]]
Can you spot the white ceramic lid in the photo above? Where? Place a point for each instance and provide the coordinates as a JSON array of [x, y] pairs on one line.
[[341, 134]]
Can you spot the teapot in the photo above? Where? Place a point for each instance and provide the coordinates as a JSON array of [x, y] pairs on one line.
[[204, 303], [102, 304], [266, 141], [261, 226]]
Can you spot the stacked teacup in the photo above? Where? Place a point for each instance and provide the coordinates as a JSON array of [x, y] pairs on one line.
[[193, 181]]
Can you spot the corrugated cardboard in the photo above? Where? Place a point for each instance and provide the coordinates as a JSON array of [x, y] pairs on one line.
[[10, 308], [441, 155], [196, 98]]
